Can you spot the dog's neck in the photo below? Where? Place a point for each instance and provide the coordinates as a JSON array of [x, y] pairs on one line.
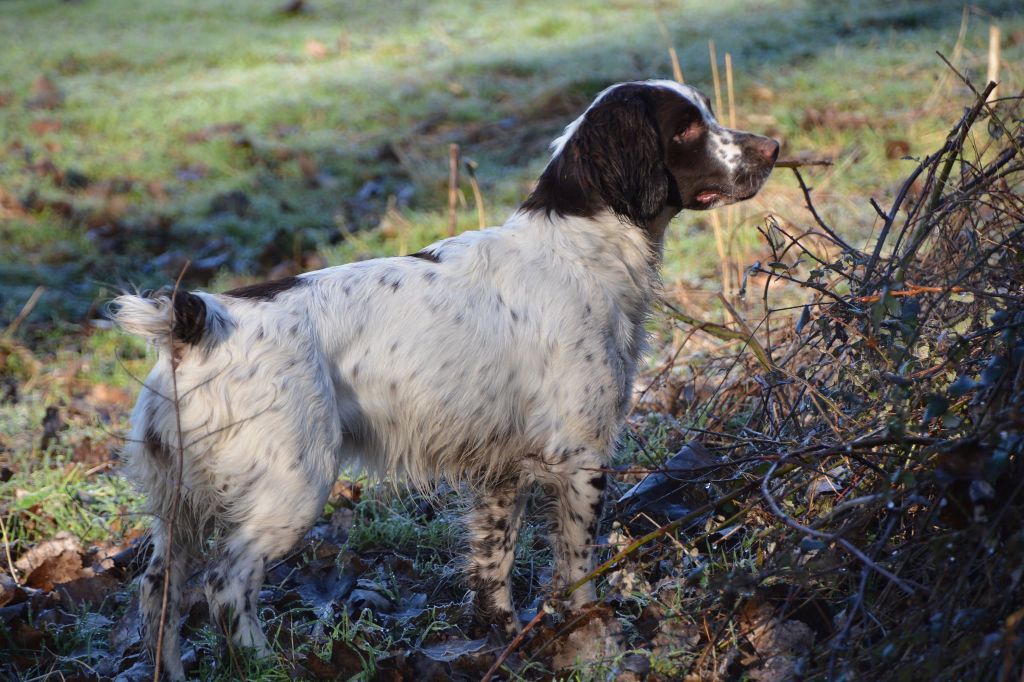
[[613, 254], [656, 227]]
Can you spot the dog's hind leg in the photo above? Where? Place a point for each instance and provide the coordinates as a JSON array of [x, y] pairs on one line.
[[170, 567], [278, 516], [493, 526]]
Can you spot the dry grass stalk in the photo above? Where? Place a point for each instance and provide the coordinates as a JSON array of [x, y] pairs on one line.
[[478, 197], [713, 57], [453, 188], [677, 70], [993, 60]]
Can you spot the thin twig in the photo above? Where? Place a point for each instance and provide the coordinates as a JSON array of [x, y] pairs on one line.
[[168, 571], [801, 163], [7, 551], [904, 585], [25, 311], [513, 645], [817, 218], [478, 197]]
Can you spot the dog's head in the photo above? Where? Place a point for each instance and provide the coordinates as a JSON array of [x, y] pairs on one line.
[[648, 149]]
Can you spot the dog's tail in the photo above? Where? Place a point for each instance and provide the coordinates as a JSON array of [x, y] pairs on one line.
[[180, 317]]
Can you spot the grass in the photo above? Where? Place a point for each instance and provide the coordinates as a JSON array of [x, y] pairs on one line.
[[173, 110], [168, 106]]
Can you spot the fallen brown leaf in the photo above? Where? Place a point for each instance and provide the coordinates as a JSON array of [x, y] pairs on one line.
[[34, 558], [44, 126], [896, 149], [44, 94], [54, 570]]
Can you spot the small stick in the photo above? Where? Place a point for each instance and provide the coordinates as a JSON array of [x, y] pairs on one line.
[[513, 645], [677, 70], [177, 490], [453, 187], [958, 48], [800, 163], [817, 218], [954, 144], [993, 60], [478, 197], [730, 212], [713, 56], [7, 551], [911, 290], [25, 311], [729, 90]]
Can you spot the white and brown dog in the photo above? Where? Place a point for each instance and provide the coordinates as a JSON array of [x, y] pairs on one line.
[[496, 359]]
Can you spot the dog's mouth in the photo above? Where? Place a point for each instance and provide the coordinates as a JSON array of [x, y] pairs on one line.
[[708, 196], [712, 197]]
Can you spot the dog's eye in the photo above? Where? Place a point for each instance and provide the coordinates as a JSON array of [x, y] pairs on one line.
[[689, 134]]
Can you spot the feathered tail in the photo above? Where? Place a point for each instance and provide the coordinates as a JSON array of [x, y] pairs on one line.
[[184, 317]]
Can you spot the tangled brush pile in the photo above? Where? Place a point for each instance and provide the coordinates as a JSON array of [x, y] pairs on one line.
[[869, 472]]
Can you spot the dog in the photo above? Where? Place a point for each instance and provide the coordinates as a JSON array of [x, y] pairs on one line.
[[494, 360]]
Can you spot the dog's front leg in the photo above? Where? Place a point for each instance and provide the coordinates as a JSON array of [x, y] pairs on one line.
[[493, 524], [573, 518]]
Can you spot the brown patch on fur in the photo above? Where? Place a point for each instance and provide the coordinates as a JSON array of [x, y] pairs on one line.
[[266, 291], [426, 255]]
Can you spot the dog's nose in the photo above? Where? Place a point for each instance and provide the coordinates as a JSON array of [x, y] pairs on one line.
[[767, 148]]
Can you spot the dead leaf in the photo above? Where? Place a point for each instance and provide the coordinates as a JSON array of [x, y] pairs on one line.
[[33, 558], [670, 493], [157, 190], [193, 172], [316, 49], [64, 567], [10, 591], [597, 637], [88, 591], [27, 636], [779, 643], [829, 483], [45, 126], [896, 149], [44, 94], [762, 94], [91, 454], [322, 585], [451, 649], [833, 119], [105, 394], [345, 490], [10, 207], [216, 130], [369, 599], [344, 663]]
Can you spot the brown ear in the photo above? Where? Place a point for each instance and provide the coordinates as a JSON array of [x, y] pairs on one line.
[[616, 153]]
